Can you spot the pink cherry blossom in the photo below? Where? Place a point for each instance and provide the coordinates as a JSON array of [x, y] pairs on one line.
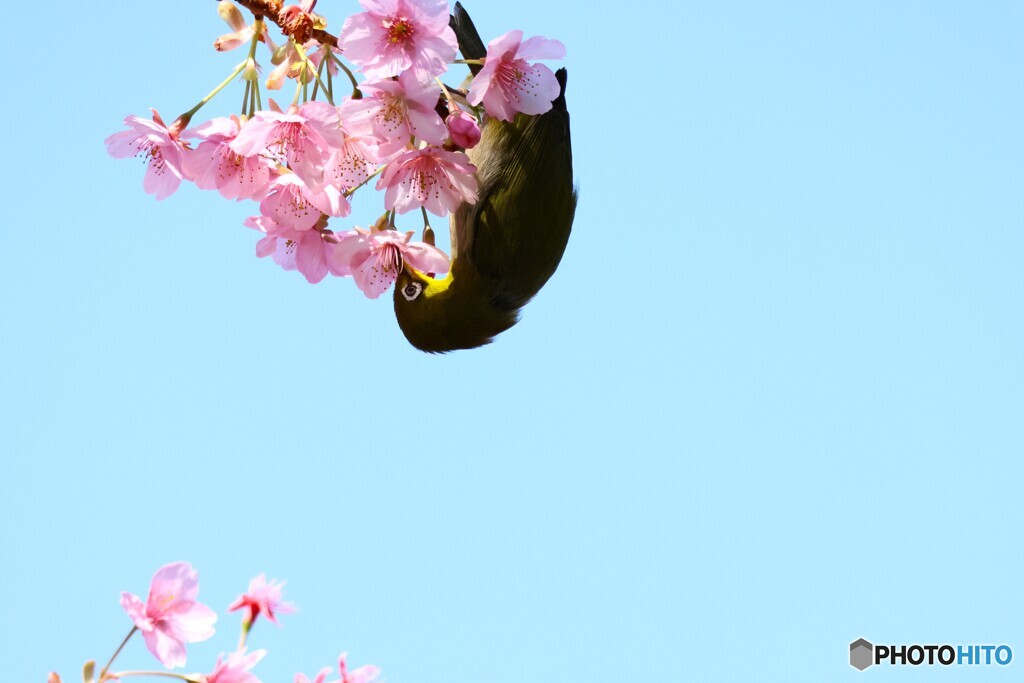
[[463, 128], [213, 165], [376, 257], [320, 677], [507, 83], [263, 597], [156, 143], [304, 137], [393, 36], [171, 616], [364, 674], [352, 164], [311, 252], [392, 111], [433, 178], [235, 668], [293, 204]]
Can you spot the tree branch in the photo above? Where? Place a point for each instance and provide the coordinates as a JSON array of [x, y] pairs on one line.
[[271, 9]]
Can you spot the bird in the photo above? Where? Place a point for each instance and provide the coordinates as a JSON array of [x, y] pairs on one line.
[[508, 243]]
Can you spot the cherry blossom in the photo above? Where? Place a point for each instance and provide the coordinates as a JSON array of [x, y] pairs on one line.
[[433, 178], [293, 204], [235, 668], [392, 111], [364, 674], [304, 137], [320, 677], [159, 145], [393, 36], [311, 252], [213, 165], [262, 597], [507, 83], [171, 615], [375, 257]]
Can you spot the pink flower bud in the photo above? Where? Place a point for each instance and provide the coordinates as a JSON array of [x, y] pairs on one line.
[[464, 130]]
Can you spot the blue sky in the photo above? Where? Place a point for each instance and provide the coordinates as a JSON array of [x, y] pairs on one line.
[[769, 404]]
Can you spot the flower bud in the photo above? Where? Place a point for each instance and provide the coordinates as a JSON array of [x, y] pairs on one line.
[[463, 129], [231, 15]]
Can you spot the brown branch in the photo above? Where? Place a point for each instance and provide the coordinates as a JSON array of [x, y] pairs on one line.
[[271, 9]]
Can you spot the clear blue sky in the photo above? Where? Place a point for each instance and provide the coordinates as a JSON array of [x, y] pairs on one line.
[[770, 403]]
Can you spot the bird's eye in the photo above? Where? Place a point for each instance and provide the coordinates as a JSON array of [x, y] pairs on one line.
[[412, 290]]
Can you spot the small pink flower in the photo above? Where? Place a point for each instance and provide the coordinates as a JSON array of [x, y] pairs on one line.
[[393, 36], [304, 137], [364, 674], [433, 178], [171, 616], [263, 597], [376, 257], [507, 83], [308, 251], [393, 111], [235, 669], [213, 165], [292, 204], [463, 128], [159, 145], [54, 677], [320, 677]]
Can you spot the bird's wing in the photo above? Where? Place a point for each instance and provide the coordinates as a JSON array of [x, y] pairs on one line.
[[516, 232]]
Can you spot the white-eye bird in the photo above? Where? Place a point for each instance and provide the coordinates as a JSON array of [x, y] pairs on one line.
[[506, 245]]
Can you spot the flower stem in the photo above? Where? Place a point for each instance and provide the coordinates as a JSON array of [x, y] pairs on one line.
[[356, 93], [165, 674], [246, 627], [467, 61], [351, 191], [309, 66], [452, 106], [106, 667], [238, 69]]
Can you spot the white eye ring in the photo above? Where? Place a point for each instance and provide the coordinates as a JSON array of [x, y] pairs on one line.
[[412, 290]]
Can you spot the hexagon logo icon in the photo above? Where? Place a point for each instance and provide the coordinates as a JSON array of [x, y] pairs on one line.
[[862, 654]]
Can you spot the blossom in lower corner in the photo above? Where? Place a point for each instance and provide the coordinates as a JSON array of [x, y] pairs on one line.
[[171, 615], [376, 257], [320, 677], [159, 145], [263, 597], [364, 674], [434, 178], [235, 668], [393, 36], [508, 83]]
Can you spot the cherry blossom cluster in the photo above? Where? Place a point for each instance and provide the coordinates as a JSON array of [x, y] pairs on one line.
[[172, 616], [302, 163]]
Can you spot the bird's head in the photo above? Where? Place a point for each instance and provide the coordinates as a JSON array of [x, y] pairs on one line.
[[455, 311]]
